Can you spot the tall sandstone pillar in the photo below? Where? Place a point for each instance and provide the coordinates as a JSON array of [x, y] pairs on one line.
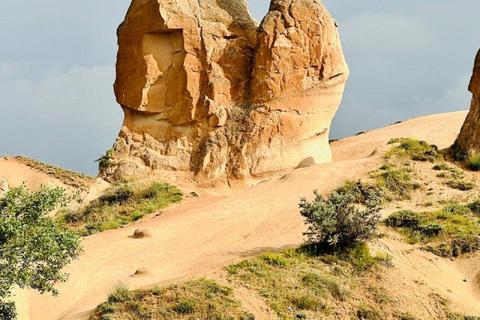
[[469, 138], [205, 89]]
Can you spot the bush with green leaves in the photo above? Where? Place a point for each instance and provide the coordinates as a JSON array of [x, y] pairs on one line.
[[337, 222], [34, 248]]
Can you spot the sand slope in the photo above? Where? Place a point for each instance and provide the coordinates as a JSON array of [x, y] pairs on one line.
[[202, 235], [16, 173]]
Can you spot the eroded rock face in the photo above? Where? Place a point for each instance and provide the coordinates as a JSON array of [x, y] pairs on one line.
[[204, 89], [469, 138]]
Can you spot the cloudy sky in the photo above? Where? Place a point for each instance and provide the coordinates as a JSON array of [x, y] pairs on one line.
[[408, 58]]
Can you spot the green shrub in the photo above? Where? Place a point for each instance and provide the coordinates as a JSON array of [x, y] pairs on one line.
[[336, 222], [473, 161], [404, 219]]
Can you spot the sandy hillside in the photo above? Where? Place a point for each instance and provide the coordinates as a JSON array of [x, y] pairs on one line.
[[201, 235], [16, 173]]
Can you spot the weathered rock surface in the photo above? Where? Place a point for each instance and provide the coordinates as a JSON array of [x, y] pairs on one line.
[[204, 89], [469, 138]]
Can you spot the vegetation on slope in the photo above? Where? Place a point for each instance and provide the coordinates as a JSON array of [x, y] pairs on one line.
[[69, 178], [196, 299], [449, 232], [123, 203]]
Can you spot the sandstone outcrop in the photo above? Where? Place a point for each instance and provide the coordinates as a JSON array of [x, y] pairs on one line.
[[469, 138], [205, 89]]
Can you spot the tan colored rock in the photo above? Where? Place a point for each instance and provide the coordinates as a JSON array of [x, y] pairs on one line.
[[204, 89], [469, 138], [142, 233]]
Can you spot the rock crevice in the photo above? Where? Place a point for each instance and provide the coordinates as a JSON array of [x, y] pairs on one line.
[[205, 89]]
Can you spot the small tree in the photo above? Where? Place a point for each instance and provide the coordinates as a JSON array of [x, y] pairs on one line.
[[34, 248], [337, 222]]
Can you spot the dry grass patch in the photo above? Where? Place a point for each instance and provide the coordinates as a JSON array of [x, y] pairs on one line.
[[70, 178], [196, 299], [122, 203], [449, 232]]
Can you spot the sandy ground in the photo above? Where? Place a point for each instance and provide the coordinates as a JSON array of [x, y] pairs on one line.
[[16, 173], [201, 235]]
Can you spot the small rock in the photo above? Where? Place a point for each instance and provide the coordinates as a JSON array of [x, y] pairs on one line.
[[465, 280], [141, 271], [142, 233]]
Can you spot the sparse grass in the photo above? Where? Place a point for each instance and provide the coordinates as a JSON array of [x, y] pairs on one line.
[[398, 181], [461, 185], [473, 161], [461, 317], [121, 204], [449, 232], [70, 178], [302, 281], [414, 149], [196, 299]]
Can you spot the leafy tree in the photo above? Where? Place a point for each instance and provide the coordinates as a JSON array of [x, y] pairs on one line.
[[337, 222], [34, 248]]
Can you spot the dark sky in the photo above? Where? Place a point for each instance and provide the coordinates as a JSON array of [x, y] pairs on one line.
[[407, 58]]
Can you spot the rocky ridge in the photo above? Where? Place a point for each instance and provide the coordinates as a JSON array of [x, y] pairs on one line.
[[469, 138], [205, 89]]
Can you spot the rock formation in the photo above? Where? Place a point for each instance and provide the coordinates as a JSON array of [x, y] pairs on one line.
[[205, 89], [469, 138]]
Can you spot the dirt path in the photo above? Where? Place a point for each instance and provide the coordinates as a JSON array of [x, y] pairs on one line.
[[202, 235]]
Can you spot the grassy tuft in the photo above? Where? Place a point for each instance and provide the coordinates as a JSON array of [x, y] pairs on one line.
[[121, 204], [473, 161], [449, 232], [398, 182], [197, 299], [414, 149]]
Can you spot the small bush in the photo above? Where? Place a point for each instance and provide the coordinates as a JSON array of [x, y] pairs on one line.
[[106, 160], [441, 167], [121, 294], [475, 207], [461, 185], [473, 161], [404, 219], [337, 222]]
